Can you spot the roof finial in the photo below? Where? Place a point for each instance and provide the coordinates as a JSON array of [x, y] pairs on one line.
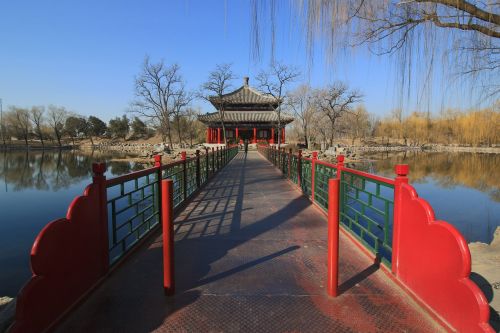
[[245, 81]]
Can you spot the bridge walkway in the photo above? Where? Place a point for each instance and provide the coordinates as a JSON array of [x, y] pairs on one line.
[[250, 257]]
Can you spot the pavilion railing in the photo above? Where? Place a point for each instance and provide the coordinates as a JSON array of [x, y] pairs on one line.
[[366, 203], [386, 217], [133, 200], [71, 255]]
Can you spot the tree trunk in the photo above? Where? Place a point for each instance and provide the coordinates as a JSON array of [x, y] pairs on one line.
[[40, 135], [178, 123]]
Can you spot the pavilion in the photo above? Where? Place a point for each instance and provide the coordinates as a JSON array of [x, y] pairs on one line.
[[248, 115]]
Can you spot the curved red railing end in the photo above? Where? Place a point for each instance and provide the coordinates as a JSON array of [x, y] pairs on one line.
[[66, 261], [434, 263]]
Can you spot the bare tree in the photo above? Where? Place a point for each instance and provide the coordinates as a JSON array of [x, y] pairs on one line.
[[216, 86], [358, 123], [155, 89], [335, 101], [57, 117], [19, 120], [37, 118], [194, 127], [275, 82], [181, 101], [422, 32], [301, 102]]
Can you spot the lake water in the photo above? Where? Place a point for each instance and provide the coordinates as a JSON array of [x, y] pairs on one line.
[[36, 187]]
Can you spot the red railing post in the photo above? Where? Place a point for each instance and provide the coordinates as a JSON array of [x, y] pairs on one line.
[[167, 222], [98, 178], [198, 170], [299, 167], [313, 172], [401, 171], [289, 161], [184, 174], [333, 237], [340, 165]]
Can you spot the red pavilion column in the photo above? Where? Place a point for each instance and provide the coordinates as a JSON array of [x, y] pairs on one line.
[[272, 136], [208, 134], [254, 135], [237, 134], [283, 135], [218, 135]]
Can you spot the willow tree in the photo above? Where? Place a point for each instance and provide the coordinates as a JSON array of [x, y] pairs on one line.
[[422, 34]]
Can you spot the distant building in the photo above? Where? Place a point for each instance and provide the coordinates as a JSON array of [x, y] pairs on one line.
[[248, 114]]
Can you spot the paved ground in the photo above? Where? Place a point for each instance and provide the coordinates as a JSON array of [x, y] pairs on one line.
[[250, 257]]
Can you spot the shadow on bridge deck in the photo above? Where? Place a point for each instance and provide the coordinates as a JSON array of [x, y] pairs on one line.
[[250, 257]]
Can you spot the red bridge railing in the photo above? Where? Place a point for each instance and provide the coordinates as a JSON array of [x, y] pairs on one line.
[[70, 256], [430, 259]]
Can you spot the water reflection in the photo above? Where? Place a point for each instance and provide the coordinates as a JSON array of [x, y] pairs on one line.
[[53, 171], [463, 188], [36, 188], [448, 170]]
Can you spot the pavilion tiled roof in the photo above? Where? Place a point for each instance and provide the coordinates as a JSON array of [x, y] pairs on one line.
[[246, 117], [246, 95]]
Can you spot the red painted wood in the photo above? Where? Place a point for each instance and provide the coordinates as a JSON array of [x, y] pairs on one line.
[[272, 135], [371, 176], [66, 261], [333, 237], [167, 220], [434, 263], [254, 139]]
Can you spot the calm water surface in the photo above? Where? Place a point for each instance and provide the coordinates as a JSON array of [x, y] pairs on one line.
[[36, 187]]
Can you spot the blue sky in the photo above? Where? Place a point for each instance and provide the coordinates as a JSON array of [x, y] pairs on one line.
[[84, 55]]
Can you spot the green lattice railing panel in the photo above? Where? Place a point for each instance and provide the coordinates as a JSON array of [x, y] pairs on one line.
[[284, 163], [305, 176], [322, 174], [133, 200], [176, 173], [132, 211], [191, 185], [293, 169], [366, 210], [203, 169]]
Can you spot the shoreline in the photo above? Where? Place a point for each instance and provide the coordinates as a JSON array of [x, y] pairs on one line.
[[426, 148], [35, 147]]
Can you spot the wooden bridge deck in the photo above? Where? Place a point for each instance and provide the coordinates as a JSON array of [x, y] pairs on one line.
[[250, 257]]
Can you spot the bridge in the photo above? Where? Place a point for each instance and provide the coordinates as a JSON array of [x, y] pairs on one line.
[[268, 241]]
